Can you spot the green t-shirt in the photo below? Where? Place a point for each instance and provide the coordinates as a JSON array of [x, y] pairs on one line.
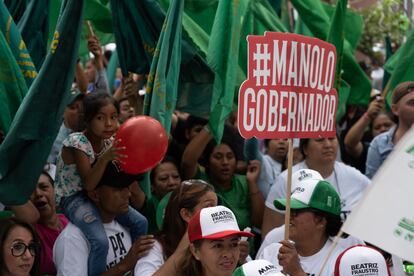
[[237, 198]]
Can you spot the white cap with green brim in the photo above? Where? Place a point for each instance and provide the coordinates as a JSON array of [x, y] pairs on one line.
[[313, 193], [257, 268]]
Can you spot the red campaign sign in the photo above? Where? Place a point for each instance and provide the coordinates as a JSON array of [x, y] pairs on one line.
[[289, 91]]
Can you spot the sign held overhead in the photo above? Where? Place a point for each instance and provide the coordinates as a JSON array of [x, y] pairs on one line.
[[289, 92]]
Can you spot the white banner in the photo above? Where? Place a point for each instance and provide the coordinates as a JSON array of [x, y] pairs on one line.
[[385, 215]]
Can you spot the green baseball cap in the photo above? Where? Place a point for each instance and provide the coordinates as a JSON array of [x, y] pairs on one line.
[[313, 193], [257, 268]]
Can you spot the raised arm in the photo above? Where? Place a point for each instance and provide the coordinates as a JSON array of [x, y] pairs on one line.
[[352, 141], [256, 197], [193, 152]]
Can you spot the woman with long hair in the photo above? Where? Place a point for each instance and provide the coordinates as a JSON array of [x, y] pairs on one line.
[[214, 238], [172, 241]]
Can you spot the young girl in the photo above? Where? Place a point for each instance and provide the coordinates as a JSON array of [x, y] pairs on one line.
[[80, 167]]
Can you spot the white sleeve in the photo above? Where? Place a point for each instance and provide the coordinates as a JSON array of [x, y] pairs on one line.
[[150, 263], [270, 254], [70, 253], [278, 190], [275, 235]]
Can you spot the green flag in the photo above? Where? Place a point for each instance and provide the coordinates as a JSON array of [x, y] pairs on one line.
[[314, 16], [98, 12], [404, 66], [162, 84], [222, 53], [34, 28], [12, 85], [136, 25], [17, 45], [336, 36], [111, 70], [36, 124], [16, 8], [353, 26]]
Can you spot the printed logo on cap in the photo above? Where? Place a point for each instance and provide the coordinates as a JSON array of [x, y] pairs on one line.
[[257, 268], [217, 219], [361, 260]]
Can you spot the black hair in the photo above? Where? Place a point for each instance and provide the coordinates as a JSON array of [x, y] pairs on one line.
[[193, 121], [94, 101], [166, 159], [227, 139]]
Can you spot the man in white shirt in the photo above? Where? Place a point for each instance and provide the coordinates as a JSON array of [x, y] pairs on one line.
[[71, 249]]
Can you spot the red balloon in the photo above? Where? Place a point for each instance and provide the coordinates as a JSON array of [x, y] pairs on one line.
[[145, 141]]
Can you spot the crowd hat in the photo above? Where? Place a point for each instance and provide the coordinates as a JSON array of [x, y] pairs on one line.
[[214, 223], [257, 268], [361, 260], [113, 176], [304, 175], [315, 194]]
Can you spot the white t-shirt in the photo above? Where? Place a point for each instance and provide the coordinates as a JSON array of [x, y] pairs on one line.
[[150, 263], [71, 249], [277, 234], [347, 181], [311, 265]]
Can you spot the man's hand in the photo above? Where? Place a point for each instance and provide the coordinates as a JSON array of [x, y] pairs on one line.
[[139, 249], [375, 107], [289, 259]]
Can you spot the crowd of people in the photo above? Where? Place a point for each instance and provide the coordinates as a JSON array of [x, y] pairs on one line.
[[212, 209]]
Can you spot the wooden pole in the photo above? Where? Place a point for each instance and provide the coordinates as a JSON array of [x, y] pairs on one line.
[[335, 242], [288, 188], [90, 29]]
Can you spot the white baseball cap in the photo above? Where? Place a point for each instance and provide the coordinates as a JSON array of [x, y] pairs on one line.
[[257, 268], [361, 260], [303, 175], [214, 223]]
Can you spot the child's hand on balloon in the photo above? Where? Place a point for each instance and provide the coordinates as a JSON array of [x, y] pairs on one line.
[[115, 152]]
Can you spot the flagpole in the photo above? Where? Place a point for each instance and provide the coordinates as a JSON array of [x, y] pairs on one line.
[[335, 242], [289, 188], [90, 29]]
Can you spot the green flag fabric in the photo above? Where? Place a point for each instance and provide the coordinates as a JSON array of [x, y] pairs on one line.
[[353, 26], [12, 85], [222, 53], [136, 25], [17, 45], [36, 124], [98, 12], [404, 66], [314, 16], [34, 28], [16, 8], [111, 70], [162, 84], [336, 36]]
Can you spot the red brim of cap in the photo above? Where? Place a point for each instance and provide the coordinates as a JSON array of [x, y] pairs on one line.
[[225, 234]]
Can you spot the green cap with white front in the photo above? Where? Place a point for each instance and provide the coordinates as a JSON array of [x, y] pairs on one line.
[[313, 193], [257, 268]]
